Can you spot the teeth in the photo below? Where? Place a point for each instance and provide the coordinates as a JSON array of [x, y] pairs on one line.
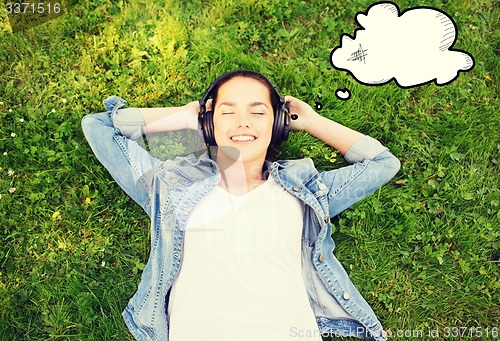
[[243, 138]]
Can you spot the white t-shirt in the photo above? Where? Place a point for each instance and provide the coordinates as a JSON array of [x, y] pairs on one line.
[[241, 273]]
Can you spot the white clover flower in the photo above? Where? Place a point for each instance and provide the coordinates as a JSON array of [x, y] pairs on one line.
[[103, 263], [10, 172], [64, 100], [12, 190], [4, 153], [13, 134], [10, 110], [53, 110], [21, 120], [0, 196], [1, 103]]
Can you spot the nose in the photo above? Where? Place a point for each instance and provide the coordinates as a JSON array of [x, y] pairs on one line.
[[243, 120]]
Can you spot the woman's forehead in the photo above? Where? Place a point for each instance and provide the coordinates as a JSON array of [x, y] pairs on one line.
[[255, 104], [244, 89]]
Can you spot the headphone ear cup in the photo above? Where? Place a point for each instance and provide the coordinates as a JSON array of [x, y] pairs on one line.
[[208, 128], [286, 122], [277, 128], [281, 126]]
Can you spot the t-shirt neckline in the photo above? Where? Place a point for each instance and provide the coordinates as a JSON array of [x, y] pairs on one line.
[[241, 196]]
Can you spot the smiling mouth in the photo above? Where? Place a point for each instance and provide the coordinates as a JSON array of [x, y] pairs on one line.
[[243, 138]]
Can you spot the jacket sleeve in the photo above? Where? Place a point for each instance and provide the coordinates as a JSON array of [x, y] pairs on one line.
[[372, 165], [132, 167]]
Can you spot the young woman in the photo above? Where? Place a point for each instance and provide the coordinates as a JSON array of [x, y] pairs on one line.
[[241, 247]]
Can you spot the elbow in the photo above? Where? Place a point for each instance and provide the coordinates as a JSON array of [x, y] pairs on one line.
[[387, 165], [95, 126], [392, 166], [395, 164], [86, 123], [89, 123]]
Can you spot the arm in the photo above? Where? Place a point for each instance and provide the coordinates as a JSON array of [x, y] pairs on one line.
[[169, 119], [133, 122], [129, 164], [332, 133], [372, 164], [109, 135]]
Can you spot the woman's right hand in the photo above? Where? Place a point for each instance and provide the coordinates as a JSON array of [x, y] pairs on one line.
[[196, 105], [193, 105]]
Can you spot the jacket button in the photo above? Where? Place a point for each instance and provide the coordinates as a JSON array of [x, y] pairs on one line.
[[295, 188], [327, 219], [321, 186], [345, 295], [321, 258], [174, 181]]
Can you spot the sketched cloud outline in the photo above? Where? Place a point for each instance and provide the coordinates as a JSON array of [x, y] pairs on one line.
[[407, 74]]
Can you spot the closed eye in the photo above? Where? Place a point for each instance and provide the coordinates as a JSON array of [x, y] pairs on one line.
[[258, 113], [227, 113]]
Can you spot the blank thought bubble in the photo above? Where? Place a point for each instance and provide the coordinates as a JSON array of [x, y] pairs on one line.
[[413, 48]]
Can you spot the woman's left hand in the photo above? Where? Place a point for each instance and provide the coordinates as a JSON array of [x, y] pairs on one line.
[[303, 111]]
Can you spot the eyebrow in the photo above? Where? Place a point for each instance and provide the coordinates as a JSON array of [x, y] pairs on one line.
[[253, 104]]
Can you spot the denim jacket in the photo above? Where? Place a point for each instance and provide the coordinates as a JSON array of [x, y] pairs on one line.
[[169, 191]]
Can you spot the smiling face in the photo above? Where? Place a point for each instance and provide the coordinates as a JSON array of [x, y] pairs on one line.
[[243, 120]]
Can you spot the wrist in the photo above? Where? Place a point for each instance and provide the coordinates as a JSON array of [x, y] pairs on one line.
[[191, 118], [195, 105], [312, 121]]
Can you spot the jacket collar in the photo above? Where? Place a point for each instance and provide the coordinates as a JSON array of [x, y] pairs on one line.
[[192, 168], [293, 172]]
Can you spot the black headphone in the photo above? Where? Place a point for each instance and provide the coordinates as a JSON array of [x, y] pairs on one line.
[[281, 125]]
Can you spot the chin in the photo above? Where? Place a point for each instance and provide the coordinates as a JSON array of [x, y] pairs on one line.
[[236, 154], [230, 152]]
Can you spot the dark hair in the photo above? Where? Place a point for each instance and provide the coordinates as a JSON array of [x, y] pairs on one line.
[[246, 74]]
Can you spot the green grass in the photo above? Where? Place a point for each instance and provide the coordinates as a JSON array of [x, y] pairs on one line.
[[424, 250]]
